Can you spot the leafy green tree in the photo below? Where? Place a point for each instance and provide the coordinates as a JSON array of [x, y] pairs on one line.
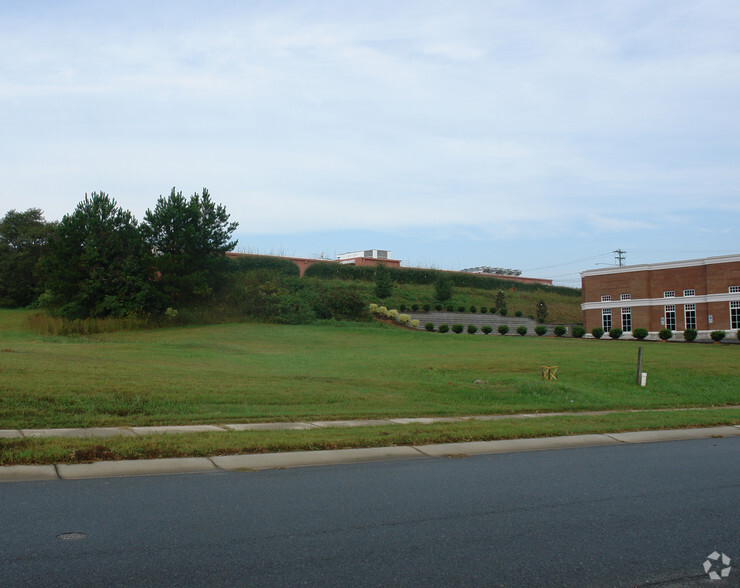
[[442, 288], [23, 239], [189, 238], [541, 311], [97, 262], [383, 281], [501, 302]]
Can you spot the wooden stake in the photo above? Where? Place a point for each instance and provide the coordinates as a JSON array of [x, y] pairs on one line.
[[639, 365]]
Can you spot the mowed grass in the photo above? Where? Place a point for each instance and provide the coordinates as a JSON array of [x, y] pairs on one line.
[[260, 373]]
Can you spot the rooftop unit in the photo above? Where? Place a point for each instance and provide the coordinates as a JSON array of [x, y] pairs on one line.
[[493, 271]]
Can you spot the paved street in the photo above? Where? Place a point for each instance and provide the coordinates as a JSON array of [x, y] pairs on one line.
[[622, 515]]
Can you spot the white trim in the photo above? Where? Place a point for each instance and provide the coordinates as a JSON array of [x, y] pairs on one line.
[[661, 266], [699, 299]]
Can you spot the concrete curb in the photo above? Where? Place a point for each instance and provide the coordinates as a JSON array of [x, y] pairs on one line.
[[252, 462]]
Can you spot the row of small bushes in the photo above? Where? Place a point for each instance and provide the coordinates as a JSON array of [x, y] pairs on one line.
[[393, 314], [451, 308], [664, 334]]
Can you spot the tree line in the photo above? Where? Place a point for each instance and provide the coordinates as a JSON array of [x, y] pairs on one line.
[[100, 261]]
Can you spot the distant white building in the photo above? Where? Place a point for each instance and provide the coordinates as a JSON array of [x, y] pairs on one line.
[[493, 271]]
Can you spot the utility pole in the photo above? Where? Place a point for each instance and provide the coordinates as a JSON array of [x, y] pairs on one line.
[[619, 256]]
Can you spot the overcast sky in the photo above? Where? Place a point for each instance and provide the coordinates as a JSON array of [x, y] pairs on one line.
[[526, 134]]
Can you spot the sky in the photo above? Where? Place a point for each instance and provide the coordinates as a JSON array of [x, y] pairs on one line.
[[525, 134]]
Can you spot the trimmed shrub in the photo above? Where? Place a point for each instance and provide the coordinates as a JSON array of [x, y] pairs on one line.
[[560, 330], [427, 307], [404, 319], [443, 328], [460, 309], [540, 330], [450, 308], [518, 313], [503, 329], [578, 331], [521, 330], [717, 336], [402, 308], [640, 333], [438, 307], [493, 310], [598, 332], [483, 309], [429, 327], [393, 314], [690, 335], [415, 307], [615, 332], [472, 329], [414, 323], [457, 328], [486, 329], [473, 309], [665, 334], [503, 311], [373, 308], [383, 311]]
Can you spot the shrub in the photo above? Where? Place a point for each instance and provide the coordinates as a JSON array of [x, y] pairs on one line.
[[615, 332], [717, 336], [450, 308], [738, 333], [442, 288], [438, 307], [665, 334], [598, 332], [578, 331], [503, 329], [427, 307], [689, 335], [404, 319], [521, 330], [493, 310], [457, 328], [460, 309], [487, 329], [443, 328], [402, 308], [472, 329], [483, 309], [429, 327], [415, 307], [518, 313], [540, 330], [473, 309], [414, 323], [560, 330], [345, 303], [541, 310], [382, 311], [373, 308], [393, 314], [640, 333], [503, 311]]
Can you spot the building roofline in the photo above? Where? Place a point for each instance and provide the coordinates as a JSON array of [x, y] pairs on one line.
[[661, 266]]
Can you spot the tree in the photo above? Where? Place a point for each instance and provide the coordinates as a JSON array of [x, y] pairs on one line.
[[97, 262], [383, 281], [541, 311], [23, 239], [442, 288], [189, 239], [501, 302]]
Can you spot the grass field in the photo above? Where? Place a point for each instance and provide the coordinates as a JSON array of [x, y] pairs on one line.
[[258, 373]]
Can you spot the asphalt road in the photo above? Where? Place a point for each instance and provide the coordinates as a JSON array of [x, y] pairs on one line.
[[627, 515]]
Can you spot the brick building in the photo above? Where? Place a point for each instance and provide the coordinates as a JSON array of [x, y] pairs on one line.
[[702, 294]]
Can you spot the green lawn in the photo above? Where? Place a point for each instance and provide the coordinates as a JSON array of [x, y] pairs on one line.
[[257, 372]]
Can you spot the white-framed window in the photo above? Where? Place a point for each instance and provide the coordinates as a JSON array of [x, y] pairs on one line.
[[606, 319], [606, 298], [626, 319], [625, 297], [735, 314], [669, 294], [690, 292], [670, 317], [734, 289], [689, 315]]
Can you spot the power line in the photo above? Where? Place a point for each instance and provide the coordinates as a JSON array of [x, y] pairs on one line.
[[534, 269]]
